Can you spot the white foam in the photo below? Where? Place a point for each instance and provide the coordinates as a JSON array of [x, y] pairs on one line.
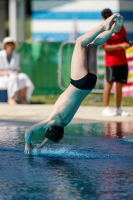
[[59, 152], [128, 140], [69, 153]]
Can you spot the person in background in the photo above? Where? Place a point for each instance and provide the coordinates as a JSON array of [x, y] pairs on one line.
[[116, 67], [19, 86]]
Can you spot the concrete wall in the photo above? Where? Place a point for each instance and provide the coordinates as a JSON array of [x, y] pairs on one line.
[[65, 20]]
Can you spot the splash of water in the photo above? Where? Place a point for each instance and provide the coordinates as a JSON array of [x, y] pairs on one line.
[[128, 140], [69, 153], [62, 152]]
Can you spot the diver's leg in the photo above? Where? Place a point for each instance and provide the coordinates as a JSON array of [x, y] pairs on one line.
[[92, 34], [102, 37], [79, 59], [31, 130]]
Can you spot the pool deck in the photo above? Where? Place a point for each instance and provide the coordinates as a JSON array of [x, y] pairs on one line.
[[35, 113]]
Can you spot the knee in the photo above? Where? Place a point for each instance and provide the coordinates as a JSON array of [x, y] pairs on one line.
[[119, 83], [22, 76], [109, 85], [79, 41], [13, 77]]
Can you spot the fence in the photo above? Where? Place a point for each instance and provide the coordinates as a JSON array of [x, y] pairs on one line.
[[40, 62], [48, 66], [64, 63]]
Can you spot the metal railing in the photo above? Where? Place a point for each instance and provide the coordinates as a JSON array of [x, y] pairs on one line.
[[60, 67]]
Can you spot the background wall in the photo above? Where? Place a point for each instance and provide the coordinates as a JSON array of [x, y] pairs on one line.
[[65, 20]]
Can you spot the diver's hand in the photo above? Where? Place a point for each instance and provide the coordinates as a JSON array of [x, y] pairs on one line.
[[28, 148]]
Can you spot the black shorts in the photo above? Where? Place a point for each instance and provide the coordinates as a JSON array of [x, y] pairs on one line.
[[117, 73]]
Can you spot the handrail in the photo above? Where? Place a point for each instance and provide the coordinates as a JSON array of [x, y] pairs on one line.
[[60, 62], [60, 67]]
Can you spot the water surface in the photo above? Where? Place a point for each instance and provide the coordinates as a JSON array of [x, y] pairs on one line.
[[93, 161]]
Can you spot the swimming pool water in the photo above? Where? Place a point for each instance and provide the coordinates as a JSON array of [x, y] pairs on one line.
[[93, 161]]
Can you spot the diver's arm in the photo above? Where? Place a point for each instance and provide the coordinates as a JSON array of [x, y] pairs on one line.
[[30, 131]]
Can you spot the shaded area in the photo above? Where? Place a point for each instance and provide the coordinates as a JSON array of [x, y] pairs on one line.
[[93, 161]]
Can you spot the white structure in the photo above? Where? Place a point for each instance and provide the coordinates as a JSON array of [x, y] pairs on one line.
[[55, 20], [2, 19], [17, 19]]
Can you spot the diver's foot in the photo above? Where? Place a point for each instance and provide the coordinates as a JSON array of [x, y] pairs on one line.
[[108, 22], [11, 101], [118, 24]]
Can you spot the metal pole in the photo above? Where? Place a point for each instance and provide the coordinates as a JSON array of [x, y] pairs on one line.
[[13, 18], [21, 20], [60, 68], [2, 19], [60, 62]]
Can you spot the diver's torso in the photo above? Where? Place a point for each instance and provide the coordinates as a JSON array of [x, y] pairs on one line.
[[70, 100], [67, 104]]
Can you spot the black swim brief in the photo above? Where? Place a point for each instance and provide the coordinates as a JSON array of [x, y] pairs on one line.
[[88, 82]]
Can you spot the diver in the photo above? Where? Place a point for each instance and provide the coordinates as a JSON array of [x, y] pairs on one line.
[[82, 81]]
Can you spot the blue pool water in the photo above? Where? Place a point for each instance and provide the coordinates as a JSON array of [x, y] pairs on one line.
[[93, 161]]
